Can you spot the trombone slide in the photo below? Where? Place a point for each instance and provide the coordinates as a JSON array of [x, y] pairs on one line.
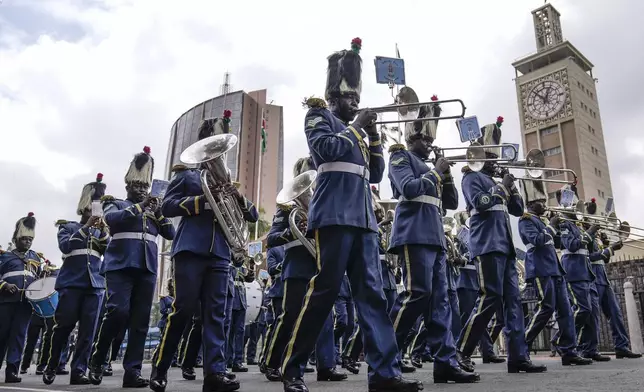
[[396, 107]]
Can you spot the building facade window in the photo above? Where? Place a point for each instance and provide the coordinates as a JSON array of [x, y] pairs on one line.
[[552, 151], [549, 130]]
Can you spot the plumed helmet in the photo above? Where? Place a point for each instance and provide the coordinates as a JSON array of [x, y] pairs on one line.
[[344, 72], [533, 191], [491, 135], [25, 227], [91, 192], [141, 168]]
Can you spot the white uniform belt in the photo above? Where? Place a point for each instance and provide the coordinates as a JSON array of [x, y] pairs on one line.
[[345, 167], [17, 273], [497, 207], [579, 252], [134, 236], [383, 257], [598, 262], [530, 246], [469, 267], [435, 201], [80, 252], [292, 244]]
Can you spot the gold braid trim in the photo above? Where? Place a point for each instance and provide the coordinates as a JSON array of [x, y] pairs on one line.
[[396, 147], [313, 102]]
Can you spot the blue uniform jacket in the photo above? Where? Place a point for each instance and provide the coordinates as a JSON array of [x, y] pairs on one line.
[[274, 261], [422, 195], [165, 308], [541, 242], [242, 275], [469, 277], [298, 262], [488, 203], [134, 236], [388, 276], [344, 158], [198, 231], [575, 253], [20, 270], [82, 249], [599, 256]]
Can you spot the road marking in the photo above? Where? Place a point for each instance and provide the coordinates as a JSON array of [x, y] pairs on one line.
[[30, 389]]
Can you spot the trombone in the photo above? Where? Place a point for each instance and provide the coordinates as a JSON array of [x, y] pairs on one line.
[[404, 108], [534, 164], [299, 192], [474, 154]]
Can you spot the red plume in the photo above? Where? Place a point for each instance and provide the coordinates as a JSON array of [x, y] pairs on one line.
[[373, 188], [499, 120], [146, 150], [227, 113], [434, 97], [99, 177], [592, 200], [30, 214], [356, 45]]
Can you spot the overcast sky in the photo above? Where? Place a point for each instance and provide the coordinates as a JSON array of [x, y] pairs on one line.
[[84, 85]]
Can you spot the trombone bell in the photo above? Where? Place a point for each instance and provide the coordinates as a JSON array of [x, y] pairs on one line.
[[299, 191], [406, 111]]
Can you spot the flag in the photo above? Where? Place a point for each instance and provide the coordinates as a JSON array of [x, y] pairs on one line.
[[397, 51], [263, 135]]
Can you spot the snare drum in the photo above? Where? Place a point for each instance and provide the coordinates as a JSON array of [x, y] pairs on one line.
[[43, 297], [253, 301]]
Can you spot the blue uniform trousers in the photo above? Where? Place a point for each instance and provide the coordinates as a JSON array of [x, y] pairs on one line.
[[38, 326], [423, 341], [235, 348], [116, 343], [586, 328], [354, 250], [354, 344], [294, 292], [275, 312], [129, 302], [610, 307], [228, 319], [255, 332], [45, 346], [193, 347], [80, 306], [498, 281], [425, 275], [198, 281], [466, 301], [552, 295], [15, 318], [344, 326]]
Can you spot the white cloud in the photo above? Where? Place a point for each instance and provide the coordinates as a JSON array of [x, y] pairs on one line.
[[70, 108]]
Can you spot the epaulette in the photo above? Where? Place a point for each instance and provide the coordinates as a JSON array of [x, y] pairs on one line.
[[108, 198], [61, 222], [314, 103], [2, 251], [41, 255], [525, 216], [179, 168], [285, 207], [396, 147], [466, 169]]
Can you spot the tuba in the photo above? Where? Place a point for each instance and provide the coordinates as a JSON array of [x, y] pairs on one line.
[[299, 191], [453, 255], [211, 154]]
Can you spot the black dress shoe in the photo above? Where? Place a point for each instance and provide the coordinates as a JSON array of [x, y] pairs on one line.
[[406, 367], [262, 367], [95, 375], [309, 369], [455, 374], [465, 363], [331, 375], [219, 383], [619, 354], [188, 374], [12, 378], [231, 376], [598, 357], [427, 358], [417, 362], [251, 362], [396, 384], [48, 377], [135, 381], [158, 384], [493, 359], [39, 371], [239, 368], [62, 372], [78, 379], [569, 360], [23, 371], [525, 366], [273, 374], [295, 385], [350, 365], [108, 372]]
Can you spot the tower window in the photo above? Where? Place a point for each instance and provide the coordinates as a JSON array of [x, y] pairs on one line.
[[552, 151], [549, 131]]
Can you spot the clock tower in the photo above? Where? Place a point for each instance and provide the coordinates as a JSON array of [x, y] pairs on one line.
[[559, 110]]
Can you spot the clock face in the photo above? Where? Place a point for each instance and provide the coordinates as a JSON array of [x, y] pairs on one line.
[[545, 100]]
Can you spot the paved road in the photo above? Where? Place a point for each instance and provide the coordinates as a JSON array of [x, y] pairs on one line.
[[617, 375]]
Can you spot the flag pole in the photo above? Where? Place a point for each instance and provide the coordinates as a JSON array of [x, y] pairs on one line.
[[259, 171]]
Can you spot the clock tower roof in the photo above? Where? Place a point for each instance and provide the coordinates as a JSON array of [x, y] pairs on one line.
[[564, 50]]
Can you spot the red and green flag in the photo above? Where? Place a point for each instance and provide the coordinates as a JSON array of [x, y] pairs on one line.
[[263, 135]]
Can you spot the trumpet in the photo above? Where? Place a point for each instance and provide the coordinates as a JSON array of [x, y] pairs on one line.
[[299, 191]]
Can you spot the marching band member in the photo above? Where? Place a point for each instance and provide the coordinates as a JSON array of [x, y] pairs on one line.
[[544, 270], [343, 225], [580, 278], [201, 256], [274, 264], [422, 194], [488, 204], [298, 269], [235, 354], [19, 267], [79, 284], [130, 266], [605, 299]]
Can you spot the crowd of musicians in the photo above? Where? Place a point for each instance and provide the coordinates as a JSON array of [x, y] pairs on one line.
[[334, 259]]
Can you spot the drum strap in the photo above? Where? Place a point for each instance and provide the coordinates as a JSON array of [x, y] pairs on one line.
[[17, 273]]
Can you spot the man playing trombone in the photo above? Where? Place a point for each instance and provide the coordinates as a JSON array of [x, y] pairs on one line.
[[342, 222], [488, 204], [201, 253], [544, 270], [418, 238]]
